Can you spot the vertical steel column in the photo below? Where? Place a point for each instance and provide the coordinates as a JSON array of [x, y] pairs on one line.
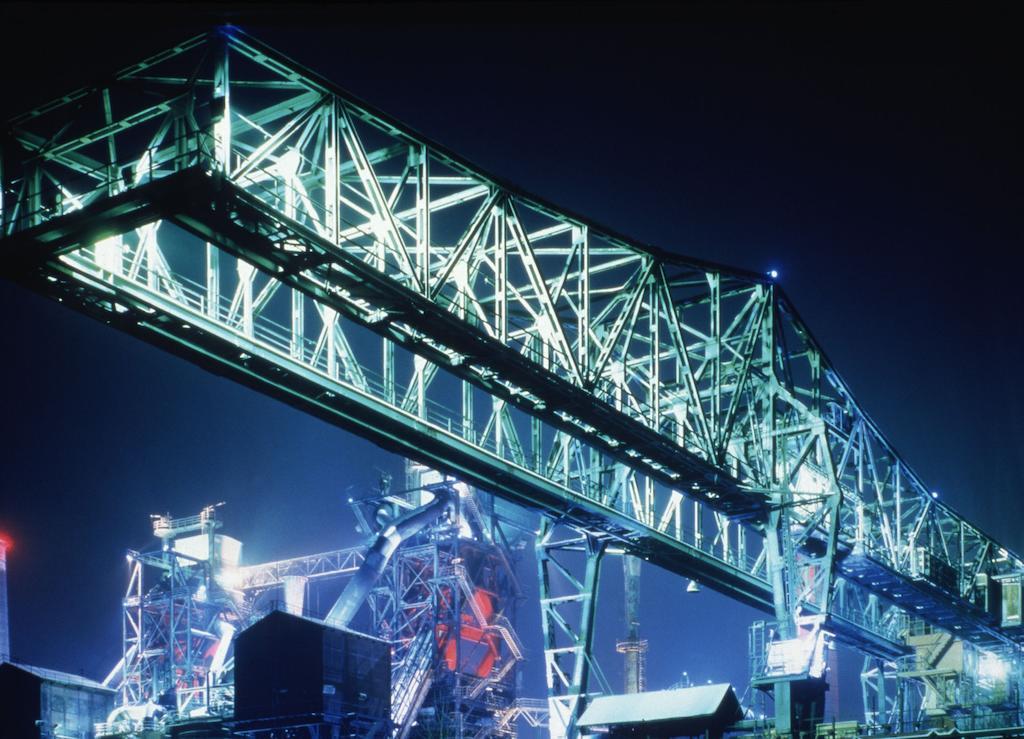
[[246, 277], [778, 569], [500, 273], [35, 194], [567, 621], [419, 158], [779, 551], [654, 394], [714, 348], [297, 343], [221, 106], [212, 281], [581, 242], [108, 119], [332, 171]]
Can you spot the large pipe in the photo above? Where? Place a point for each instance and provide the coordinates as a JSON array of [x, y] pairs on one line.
[[378, 556], [294, 594]]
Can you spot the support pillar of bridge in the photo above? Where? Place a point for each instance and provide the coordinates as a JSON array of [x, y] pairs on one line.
[[799, 707], [569, 564], [793, 660]]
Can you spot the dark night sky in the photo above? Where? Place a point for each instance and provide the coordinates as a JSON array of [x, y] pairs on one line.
[[872, 157]]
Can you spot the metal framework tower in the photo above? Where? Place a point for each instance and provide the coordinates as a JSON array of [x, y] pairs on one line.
[[179, 618], [447, 604], [222, 202]]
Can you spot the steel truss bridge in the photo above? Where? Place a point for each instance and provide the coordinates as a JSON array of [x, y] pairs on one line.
[[226, 204]]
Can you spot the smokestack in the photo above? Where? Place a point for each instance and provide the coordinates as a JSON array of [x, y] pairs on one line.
[[5, 631], [633, 648]]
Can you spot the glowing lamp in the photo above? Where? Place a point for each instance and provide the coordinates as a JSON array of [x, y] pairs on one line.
[[992, 669]]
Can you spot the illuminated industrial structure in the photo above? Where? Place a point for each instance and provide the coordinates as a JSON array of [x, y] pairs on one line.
[[447, 604], [443, 600], [222, 202], [179, 620]]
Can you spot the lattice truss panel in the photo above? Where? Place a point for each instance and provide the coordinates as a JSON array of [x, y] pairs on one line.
[[568, 563], [223, 202], [177, 636]]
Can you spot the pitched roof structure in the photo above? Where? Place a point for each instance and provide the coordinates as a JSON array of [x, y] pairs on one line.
[[57, 676], [683, 711]]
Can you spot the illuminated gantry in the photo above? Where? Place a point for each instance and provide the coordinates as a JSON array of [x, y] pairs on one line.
[[224, 203]]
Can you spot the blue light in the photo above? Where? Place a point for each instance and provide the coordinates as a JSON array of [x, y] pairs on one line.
[[934, 494], [773, 273]]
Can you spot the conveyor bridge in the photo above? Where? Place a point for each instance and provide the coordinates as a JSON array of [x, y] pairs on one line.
[[222, 202]]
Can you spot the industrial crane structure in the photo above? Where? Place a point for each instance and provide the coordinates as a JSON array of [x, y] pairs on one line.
[[222, 202]]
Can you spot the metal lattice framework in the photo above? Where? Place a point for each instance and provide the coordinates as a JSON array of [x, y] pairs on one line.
[[223, 202], [442, 603], [569, 564], [178, 624], [944, 676], [253, 579]]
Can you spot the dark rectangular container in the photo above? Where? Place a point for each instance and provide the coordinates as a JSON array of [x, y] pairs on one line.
[[288, 667]]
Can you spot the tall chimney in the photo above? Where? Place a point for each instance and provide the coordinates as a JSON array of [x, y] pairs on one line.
[[633, 648], [5, 631]]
